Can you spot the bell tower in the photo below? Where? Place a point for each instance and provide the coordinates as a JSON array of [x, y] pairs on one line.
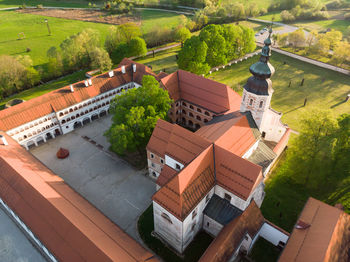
[[257, 92]]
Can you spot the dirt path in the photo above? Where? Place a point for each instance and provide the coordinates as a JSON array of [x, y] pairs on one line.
[[87, 15]]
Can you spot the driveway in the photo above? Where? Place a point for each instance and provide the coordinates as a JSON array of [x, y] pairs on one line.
[[109, 183]]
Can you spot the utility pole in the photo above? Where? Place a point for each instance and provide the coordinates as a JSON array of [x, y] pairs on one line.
[[48, 27]]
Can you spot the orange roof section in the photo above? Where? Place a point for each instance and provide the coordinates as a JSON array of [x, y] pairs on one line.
[[204, 92], [68, 225], [231, 131], [63, 97], [176, 142], [184, 191], [230, 237], [165, 175], [236, 174], [325, 238]]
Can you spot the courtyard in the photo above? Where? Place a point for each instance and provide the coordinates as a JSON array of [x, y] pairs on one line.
[[118, 190]]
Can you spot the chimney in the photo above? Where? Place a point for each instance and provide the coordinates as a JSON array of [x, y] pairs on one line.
[[4, 141], [134, 68], [86, 83], [123, 69], [71, 88], [111, 73]]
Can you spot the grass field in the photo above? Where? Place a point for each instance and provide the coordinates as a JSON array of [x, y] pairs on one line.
[[275, 15], [58, 3], [38, 40], [340, 25], [45, 88]]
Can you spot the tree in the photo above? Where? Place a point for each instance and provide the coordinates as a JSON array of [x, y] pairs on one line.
[[100, 59], [212, 35], [341, 53], [182, 34], [321, 47], [192, 56], [282, 39], [334, 37], [135, 114], [233, 35], [137, 47], [121, 34], [297, 38], [248, 37], [286, 16]]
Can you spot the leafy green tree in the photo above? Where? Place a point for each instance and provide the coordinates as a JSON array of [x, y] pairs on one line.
[[341, 53], [233, 38], [137, 47], [100, 59], [297, 38], [334, 37], [212, 35], [135, 114], [248, 37], [192, 56], [182, 34]]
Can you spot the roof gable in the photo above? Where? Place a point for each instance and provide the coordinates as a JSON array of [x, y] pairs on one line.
[[184, 191], [236, 174], [230, 237]]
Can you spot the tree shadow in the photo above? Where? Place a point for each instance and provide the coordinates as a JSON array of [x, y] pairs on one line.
[[338, 104], [294, 109]]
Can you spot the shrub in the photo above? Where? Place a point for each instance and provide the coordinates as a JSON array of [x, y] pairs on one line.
[[286, 16], [40, 6]]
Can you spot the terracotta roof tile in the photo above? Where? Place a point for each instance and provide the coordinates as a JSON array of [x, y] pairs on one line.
[[326, 238], [204, 92], [230, 237], [232, 132], [184, 191], [69, 226], [176, 142], [236, 174], [166, 174], [160, 137], [62, 98]]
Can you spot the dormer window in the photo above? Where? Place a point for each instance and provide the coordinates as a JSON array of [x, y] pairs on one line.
[[227, 197], [177, 167]]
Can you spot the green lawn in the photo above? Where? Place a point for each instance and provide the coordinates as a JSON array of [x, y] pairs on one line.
[[340, 25], [36, 33], [264, 251], [192, 253], [60, 3], [45, 88], [162, 60], [38, 40], [323, 88], [275, 15], [152, 19]]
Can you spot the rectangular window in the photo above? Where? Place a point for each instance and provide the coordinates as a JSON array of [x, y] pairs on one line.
[[227, 197], [207, 198], [194, 213]]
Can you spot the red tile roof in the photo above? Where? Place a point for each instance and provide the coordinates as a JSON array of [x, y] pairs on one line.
[[62, 98], [236, 174], [326, 238], [230, 237], [232, 132], [184, 191], [68, 225], [206, 93], [176, 142], [166, 174]]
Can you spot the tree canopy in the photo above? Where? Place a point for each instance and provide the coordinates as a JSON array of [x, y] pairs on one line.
[[215, 45], [135, 114]]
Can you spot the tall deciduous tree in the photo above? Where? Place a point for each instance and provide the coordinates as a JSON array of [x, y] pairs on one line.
[[135, 114], [182, 34], [192, 56], [137, 47]]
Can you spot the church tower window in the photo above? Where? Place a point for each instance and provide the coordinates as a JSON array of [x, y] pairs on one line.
[[261, 104], [251, 102]]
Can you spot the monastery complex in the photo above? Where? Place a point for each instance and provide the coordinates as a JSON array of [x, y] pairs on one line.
[[209, 163]]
